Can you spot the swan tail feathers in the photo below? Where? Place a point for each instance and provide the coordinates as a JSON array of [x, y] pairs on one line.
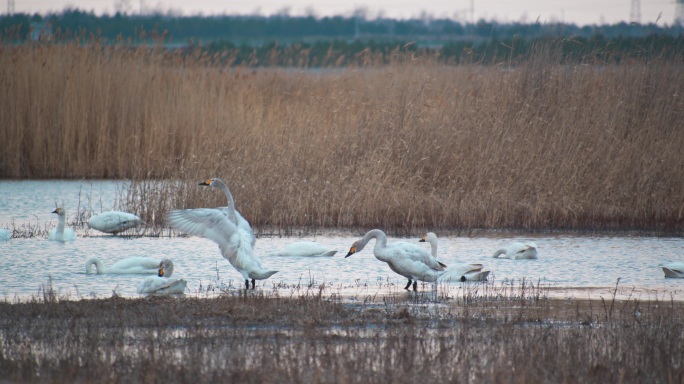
[[330, 253], [673, 273], [442, 264], [262, 275]]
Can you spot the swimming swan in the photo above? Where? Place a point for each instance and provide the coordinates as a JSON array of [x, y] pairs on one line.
[[131, 265], [230, 210], [60, 233], [235, 243], [162, 284], [456, 272], [406, 259], [114, 221], [5, 234], [517, 251], [674, 270], [304, 248]]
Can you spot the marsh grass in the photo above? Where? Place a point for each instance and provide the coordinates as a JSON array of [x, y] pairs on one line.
[[405, 145], [313, 337]]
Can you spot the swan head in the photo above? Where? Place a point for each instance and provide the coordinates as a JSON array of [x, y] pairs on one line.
[[165, 268], [353, 249], [213, 182], [59, 211], [428, 237]]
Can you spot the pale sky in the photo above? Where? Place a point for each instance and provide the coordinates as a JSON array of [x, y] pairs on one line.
[[581, 12]]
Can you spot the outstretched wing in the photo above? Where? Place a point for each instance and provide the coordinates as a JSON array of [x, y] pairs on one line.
[[205, 222]]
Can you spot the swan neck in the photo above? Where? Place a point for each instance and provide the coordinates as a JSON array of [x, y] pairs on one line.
[[433, 247], [99, 267], [60, 224], [378, 235], [231, 201]]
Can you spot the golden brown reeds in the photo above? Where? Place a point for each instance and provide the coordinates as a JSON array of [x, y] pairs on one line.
[[408, 145]]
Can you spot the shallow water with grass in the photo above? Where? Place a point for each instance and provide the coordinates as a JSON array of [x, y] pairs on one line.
[[581, 266]]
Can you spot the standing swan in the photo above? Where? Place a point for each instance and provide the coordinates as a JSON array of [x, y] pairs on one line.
[[60, 233], [406, 259], [517, 251], [161, 284], [131, 265], [674, 270], [456, 272], [230, 210], [114, 221]]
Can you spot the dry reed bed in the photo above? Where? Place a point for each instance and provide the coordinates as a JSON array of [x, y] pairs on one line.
[[409, 145], [312, 338]]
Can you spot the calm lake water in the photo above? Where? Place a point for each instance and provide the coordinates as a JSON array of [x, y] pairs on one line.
[[569, 265]]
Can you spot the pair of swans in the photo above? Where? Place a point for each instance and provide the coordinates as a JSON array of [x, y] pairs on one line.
[[114, 221], [61, 232], [226, 227], [674, 270], [304, 248]]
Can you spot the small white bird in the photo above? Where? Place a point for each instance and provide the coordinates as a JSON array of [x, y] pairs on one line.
[[230, 211], [517, 251], [674, 270], [131, 265], [406, 259], [304, 248], [162, 284], [114, 221], [456, 272], [61, 232]]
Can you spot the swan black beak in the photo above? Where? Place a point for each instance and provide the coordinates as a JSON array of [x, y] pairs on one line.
[[56, 211], [351, 252], [161, 272], [421, 240], [205, 182]]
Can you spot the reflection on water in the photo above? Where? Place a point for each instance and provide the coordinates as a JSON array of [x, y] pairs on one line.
[[564, 261]]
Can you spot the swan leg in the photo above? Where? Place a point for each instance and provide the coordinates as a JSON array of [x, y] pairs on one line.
[[246, 284], [252, 284], [408, 285], [415, 286]]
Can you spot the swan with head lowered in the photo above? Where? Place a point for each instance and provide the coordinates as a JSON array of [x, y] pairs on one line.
[[235, 243], [61, 232], [456, 272], [406, 259], [131, 265], [114, 221], [304, 248], [230, 211], [517, 251], [162, 284], [674, 270]]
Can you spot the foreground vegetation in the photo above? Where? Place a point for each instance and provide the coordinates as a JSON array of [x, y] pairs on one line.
[[310, 337], [536, 144]]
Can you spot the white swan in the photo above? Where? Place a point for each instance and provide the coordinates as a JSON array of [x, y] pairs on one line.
[[230, 210], [517, 251], [5, 234], [114, 221], [304, 248], [131, 265], [406, 259], [456, 272], [674, 270], [235, 243], [60, 233], [162, 284]]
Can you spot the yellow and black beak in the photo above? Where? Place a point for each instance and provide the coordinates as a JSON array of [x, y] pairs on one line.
[[352, 251], [206, 182], [56, 211], [423, 239], [161, 272]]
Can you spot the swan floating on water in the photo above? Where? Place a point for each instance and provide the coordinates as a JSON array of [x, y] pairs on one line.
[[114, 221], [517, 251], [5, 234], [162, 284], [674, 270], [456, 272], [61, 232], [304, 248], [227, 228], [131, 265], [406, 259]]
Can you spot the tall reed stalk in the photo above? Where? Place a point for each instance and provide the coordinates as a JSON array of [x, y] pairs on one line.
[[411, 144]]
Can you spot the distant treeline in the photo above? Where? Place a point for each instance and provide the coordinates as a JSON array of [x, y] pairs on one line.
[[257, 30]]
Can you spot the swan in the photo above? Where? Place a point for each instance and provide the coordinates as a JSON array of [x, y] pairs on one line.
[[60, 233], [456, 272], [114, 221], [230, 210], [5, 234], [161, 283], [304, 248], [235, 243], [406, 259], [674, 270], [517, 251], [131, 265]]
